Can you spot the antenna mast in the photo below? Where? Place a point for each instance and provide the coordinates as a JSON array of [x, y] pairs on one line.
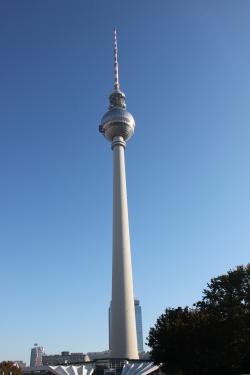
[[116, 74]]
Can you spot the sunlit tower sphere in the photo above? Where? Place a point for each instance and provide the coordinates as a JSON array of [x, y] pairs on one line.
[[117, 121]]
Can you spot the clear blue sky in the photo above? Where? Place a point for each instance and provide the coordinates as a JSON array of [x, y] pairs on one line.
[[184, 67]]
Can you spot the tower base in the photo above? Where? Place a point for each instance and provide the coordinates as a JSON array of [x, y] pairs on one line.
[[121, 366]]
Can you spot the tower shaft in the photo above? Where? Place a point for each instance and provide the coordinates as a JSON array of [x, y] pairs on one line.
[[123, 332]]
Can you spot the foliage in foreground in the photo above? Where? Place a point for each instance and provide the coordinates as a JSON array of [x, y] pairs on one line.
[[211, 338], [8, 368]]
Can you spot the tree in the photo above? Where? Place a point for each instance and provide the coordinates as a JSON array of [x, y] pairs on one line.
[[7, 368], [228, 299], [211, 338]]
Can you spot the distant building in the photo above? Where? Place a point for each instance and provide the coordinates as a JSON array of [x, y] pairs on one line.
[[138, 319], [99, 355], [19, 364], [145, 356], [64, 358], [36, 356]]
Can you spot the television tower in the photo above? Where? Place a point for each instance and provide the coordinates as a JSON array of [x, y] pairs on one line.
[[117, 126]]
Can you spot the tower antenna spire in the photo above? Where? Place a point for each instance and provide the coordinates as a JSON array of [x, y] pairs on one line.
[[116, 72]]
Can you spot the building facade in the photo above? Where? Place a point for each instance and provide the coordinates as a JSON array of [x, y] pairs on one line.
[[36, 356], [65, 358], [138, 322]]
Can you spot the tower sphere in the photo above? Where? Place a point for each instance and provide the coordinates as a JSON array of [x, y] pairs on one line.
[[117, 121]]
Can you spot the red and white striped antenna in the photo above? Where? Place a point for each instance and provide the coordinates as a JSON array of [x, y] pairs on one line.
[[116, 72]]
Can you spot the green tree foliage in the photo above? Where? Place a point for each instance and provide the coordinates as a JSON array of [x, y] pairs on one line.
[[211, 338], [7, 368]]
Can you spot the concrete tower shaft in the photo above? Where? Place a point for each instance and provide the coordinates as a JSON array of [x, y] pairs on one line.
[[123, 334]]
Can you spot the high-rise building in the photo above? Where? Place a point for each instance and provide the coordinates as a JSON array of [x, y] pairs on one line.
[[117, 126], [36, 356], [138, 321]]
